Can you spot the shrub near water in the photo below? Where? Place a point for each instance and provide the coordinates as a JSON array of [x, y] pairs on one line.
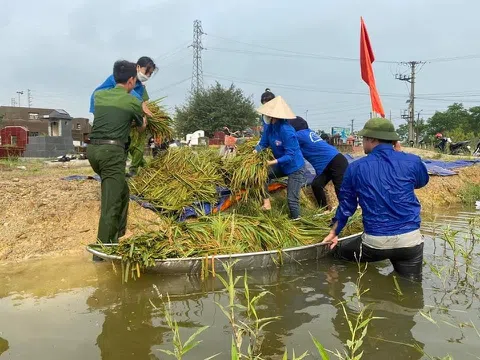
[[470, 193]]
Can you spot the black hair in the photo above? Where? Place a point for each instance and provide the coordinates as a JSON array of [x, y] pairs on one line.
[[267, 96], [148, 63], [381, 141], [298, 123], [124, 70]]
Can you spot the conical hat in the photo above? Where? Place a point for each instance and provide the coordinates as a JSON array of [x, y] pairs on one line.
[[277, 108]]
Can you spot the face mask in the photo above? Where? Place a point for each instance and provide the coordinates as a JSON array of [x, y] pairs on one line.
[[267, 119], [142, 77]]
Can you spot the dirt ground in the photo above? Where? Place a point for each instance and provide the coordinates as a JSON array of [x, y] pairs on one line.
[[40, 214]]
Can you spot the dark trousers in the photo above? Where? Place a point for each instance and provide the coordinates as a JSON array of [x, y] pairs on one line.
[[109, 162], [334, 171], [294, 185], [407, 262]]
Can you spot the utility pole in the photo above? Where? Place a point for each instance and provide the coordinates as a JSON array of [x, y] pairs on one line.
[[411, 80], [197, 71], [30, 97], [19, 93], [352, 126], [417, 132]]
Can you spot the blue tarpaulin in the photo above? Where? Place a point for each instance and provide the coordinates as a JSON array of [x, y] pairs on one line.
[[434, 167]]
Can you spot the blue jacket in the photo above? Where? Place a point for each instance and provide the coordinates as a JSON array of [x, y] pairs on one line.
[[110, 83], [315, 150], [383, 184], [281, 138]]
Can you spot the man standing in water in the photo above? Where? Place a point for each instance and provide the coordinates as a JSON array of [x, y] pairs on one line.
[[115, 110], [383, 184]]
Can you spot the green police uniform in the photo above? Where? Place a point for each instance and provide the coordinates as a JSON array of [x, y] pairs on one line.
[[137, 147], [115, 109]]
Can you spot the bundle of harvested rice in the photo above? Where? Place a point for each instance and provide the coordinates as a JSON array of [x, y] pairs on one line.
[[159, 125], [220, 234], [179, 178], [247, 172]]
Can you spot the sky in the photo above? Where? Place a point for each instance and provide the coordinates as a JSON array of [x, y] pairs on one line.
[[307, 51]]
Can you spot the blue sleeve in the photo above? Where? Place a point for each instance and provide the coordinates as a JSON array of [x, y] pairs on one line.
[[137, 95], [347, 201], [421, 175], [263, 144], [109, 83], [290, 145]]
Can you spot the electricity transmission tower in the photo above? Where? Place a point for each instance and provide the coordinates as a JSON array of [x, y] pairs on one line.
[[30, 97], [197, 71], [411, 109]]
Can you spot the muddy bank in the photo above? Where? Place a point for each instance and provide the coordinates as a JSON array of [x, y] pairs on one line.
[[42, 215]]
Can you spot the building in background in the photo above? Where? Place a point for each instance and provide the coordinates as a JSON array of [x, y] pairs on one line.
[[36, 121]]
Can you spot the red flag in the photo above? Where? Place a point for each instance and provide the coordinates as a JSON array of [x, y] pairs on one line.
[[366, 60]]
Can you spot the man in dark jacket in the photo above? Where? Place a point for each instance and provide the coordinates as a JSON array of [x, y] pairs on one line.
[[328, 162], [383, 183]]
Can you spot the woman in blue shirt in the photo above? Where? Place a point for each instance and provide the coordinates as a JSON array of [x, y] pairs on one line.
[[145, 69], [328, 162], [279, 136]]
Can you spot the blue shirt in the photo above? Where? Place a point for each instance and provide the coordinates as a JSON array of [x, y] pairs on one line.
[[281, 138], [383, 184], [315, 150], [110, 83]]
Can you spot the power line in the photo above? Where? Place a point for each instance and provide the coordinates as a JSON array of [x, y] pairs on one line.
[[455, 58], [290, 54], [171, 85], [325, 57], [294, 87], [175, 51]]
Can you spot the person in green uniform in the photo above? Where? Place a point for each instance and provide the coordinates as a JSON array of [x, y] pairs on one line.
[[146, 67], [115, 110]]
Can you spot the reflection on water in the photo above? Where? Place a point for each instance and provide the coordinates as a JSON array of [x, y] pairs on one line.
[[72, 308]]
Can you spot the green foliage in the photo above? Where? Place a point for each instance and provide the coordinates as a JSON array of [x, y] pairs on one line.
[[470, 193], [456, 122], [213, 108]]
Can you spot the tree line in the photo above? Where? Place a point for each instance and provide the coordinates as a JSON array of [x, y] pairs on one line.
[[457, 122], [213, 108]]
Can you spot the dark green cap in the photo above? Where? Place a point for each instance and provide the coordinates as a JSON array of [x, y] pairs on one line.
[[379, 128]]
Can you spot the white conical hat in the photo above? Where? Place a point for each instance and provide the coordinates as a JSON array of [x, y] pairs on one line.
[[277, 108]]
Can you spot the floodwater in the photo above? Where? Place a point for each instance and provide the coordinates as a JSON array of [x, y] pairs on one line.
[[75, 309]]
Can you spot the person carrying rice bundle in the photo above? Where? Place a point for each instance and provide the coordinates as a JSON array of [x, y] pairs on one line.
[[279, 136], [145, 68], [115, 110]]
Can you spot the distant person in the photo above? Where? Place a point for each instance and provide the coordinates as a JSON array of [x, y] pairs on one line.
[[280, 136], [145, 68], [115, 110], [383, 183], [328, 162]]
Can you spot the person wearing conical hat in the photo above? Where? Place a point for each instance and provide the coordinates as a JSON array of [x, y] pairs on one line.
[[383, 183], [280, 136]]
